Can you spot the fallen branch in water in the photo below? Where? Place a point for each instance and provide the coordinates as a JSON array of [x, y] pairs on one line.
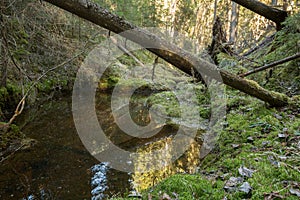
[[297, 55], [21, 104], [18, 111]]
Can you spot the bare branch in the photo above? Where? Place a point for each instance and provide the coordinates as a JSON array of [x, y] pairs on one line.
[[126, 51], [273, 64], [9, 52]]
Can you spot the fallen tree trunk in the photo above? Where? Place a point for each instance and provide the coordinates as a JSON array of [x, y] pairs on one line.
[[181, 59], [273, 14]]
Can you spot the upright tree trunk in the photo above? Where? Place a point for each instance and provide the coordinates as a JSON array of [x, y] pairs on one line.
[[3, 64], [176, 56], [274, 3], [4, 60], [173, 9], [233, 22], [273, 14], [215, 10]]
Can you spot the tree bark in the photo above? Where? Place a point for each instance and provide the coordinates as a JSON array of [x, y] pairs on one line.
[[233, 22], [273, 14], [274, 3], [4, 60], [218, 42], [181, 59]]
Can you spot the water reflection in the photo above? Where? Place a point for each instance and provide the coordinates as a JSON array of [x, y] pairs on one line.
[[99, 181], [140, 180], [185, 164], [59, 167]]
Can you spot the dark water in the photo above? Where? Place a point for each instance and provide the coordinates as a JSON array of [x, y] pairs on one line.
[[58, 166]]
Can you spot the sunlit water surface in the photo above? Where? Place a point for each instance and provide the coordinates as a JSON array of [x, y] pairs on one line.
[[59, 167]]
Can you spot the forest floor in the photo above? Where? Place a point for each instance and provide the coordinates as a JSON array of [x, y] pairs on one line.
[[258, 151], [257, 157]]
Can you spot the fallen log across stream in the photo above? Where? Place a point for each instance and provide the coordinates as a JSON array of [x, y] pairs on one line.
[[174, 55]]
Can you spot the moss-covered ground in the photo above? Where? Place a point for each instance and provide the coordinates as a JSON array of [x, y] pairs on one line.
[[263, 140]]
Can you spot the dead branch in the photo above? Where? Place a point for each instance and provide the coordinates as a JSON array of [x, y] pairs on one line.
[[9, 52], [126, 51], [18, 110], [273, 64], [21, 104], [153, 69], [264, 43]]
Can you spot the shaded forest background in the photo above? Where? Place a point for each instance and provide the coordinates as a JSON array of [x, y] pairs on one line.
[[43, 46], [32, 33]]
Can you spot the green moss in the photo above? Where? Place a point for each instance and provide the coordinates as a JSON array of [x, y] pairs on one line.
[[254, 84], [169, 102], [284, 45], [53, 83], [9, 96], [294, 101], [13, 89], [188, 187], [9, 135], [112, 81], [250, 118], [280, 96], [3, 96], [166, 100]]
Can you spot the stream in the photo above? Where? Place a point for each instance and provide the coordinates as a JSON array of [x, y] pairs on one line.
[[57, 165]]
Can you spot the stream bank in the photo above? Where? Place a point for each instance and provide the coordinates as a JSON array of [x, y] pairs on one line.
[[57, 165]]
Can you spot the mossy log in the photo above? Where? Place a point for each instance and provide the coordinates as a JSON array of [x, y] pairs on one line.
[[176, 56]]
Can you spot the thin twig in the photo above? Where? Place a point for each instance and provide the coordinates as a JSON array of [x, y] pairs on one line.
[[265, 42], [21, 104], [13, 2], [153, 69], [12, 153], [244, 58], [273, 64], [60, 65], [52, 69], [10, 54]]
